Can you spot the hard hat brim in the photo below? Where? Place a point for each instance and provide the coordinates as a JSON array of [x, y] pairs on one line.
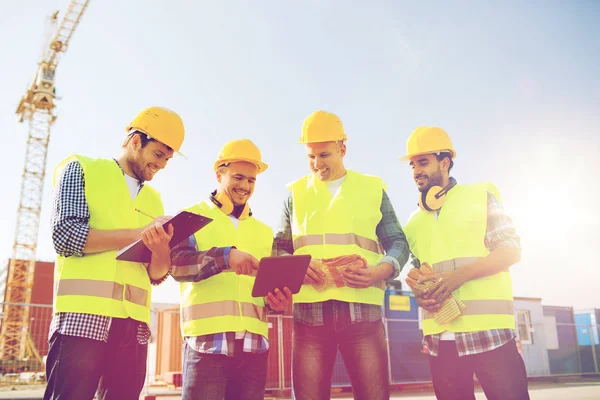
[[261, 166], [322, 141], [409, 156], [132, 129]]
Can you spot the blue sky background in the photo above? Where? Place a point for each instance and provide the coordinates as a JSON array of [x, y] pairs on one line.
[[514, 83]]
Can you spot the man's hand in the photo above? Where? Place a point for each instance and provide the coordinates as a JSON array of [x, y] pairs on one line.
[[279, 300], [157, 240], [158, 220], [365, 276], [422, 298], [443, 284], [430, 305], [314, 275], [242, 263]]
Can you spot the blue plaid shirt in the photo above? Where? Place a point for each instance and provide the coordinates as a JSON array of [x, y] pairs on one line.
[[500, 231], [191, 265]]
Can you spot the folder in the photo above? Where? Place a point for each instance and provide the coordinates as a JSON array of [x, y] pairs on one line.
[[185, 224]]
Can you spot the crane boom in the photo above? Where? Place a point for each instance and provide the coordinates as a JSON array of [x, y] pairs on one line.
[[37, 107]]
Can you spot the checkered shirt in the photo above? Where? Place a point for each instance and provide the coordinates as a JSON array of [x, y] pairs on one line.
[[191, 265], [392, 239], [500, 231], [70, 227]]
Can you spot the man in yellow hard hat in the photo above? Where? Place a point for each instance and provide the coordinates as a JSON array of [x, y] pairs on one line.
[[99, 332], [463, 232], [329, 213], [225, 329]]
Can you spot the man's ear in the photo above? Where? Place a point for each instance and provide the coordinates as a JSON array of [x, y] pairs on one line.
[[136, 142], [343, 149], [445, 164]]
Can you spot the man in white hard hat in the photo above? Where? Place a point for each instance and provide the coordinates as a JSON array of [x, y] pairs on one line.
[[463, 232], [225, 329], [99, 333], [346, 222]]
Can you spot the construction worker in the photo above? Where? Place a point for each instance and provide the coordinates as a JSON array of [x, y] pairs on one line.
[[329, 213], [225, 329], [99, 332], [463, 232]]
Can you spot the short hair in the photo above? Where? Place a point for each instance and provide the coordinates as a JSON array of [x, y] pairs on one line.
[[144, 139], [444, 154]]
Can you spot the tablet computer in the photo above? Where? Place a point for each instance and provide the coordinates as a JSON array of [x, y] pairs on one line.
[[278, 272], [184, 224]]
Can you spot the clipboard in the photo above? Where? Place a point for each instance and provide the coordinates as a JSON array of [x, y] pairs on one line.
[[184, 224], [278, 272]]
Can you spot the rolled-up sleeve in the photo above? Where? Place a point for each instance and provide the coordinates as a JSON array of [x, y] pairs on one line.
[[70, 213], [283, 243], [500, 230], [392, 238]]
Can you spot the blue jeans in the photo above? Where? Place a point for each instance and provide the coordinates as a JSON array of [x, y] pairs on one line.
[[362, 347], [216, 376], [77, 367], [501, 373]]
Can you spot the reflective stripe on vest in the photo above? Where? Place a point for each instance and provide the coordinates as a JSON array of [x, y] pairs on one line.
[[483, 307], [224, 302], [104, 289], [340, 239], [454, 238], [473, 307], [327, 226], [223, 308]]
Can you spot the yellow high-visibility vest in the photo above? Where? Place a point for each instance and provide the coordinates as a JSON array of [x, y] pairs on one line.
[[327, 226], [97, 283], [224, 302], [454, 239]]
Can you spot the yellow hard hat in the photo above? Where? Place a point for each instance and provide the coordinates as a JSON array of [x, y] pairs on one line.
[[322, 126], [161, 124], [428, 140], [241, 150]]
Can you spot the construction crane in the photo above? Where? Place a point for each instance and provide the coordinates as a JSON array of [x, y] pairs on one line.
[[38, 108]]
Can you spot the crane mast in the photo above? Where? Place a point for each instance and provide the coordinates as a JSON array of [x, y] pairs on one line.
[[37, 107]]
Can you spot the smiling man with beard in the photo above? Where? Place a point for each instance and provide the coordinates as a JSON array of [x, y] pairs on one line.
[[99, 332], [463, 232], [225, 329]]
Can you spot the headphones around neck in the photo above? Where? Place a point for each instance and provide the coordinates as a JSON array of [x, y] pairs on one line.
[[433, 198], [223, 201]]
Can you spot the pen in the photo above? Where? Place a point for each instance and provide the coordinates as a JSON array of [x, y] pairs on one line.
[[143, 213]]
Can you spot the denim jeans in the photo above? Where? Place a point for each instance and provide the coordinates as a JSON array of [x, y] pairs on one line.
[[215, 376], [77, 367], [361, 345], [501, 373]]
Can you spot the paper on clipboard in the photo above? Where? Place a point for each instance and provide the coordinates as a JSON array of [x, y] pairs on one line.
[[184, 224]]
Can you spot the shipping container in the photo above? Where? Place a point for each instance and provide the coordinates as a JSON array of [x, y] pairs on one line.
[[530, 321], [587, 337], [561, 343], [408, 361], [168, 341]]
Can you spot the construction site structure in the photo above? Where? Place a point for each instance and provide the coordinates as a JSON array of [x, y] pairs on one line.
[[37, 107]]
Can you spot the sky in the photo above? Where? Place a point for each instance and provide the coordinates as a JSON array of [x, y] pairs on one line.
[[515, 84]]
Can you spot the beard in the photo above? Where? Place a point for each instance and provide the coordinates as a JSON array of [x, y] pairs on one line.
[[435, 179], [138, 168]]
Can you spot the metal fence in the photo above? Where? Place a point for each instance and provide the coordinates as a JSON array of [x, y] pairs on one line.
[[548, 350]]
